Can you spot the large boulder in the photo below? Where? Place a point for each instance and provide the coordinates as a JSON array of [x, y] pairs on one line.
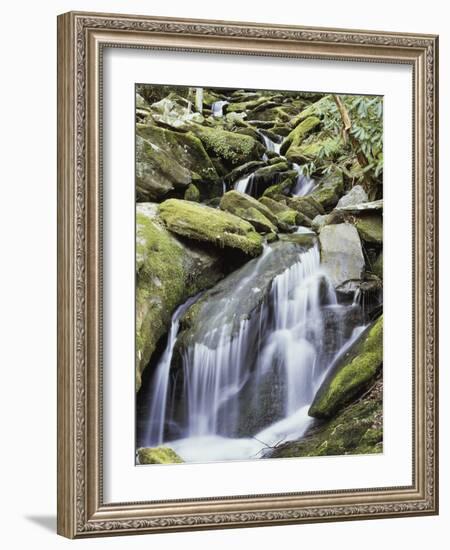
[[299, 133], [352, 374], [230, 148], [248, 208], [167, 273], [341, 252], [167, 162], [202, 223], [158, 455], [329, 190]]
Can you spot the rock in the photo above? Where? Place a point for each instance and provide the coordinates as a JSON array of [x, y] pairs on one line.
[[231, 148], [281, 189], [203, 223], [356, 430], [251, 210], [283, 213], [168, 161], [329, 190], [364, 207], [370, 228], [168, 272], [299, 133], [158, 455], [341, 252], [377, 267], [192, 193], [356, 195], [312, 150], [243, 170], [352, 374], [306, 205], [321, 221], [324, 105]]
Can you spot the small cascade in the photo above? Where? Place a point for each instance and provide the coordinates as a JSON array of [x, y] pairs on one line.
[[270, 144], [160, 384], [217, 108], [245, 184], [304, 184]]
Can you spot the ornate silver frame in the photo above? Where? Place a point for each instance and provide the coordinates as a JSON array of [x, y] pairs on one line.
[[81, 37]]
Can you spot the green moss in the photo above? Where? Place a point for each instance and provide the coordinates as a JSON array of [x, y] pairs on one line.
[[306, 206], [352, 374], [249, 209], [160, 281], [298, 134], [329, 191], [183, 148], [377, 267], [288, 217], [192, 193], [370, 228], [355, 430], [234, 149], [158, 455], [318, 108], [203, 223], [242, 106]]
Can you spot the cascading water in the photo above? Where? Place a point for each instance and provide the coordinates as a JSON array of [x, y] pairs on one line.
[[158, 398], [270, 144], [217, 108], [279, 346], [245, 184], [303, 185]]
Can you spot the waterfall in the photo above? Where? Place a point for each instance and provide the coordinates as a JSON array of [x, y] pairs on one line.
[[245, 184], [270, 144], [279, 346], [217, 108], [304, 184], [160, 386]]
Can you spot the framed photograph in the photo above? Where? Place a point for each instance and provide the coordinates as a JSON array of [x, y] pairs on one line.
[[247, 287]]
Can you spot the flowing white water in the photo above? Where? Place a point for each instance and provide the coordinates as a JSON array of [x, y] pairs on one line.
[[244, 184], [270, 144], [160, 384], [304, 184], [280, 345], [217, 108]]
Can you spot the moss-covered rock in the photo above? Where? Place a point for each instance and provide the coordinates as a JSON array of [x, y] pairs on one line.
[[298, 134], [358, 429], [192, 193], [168, 161], [284, 214], [329, 190], [251, 210], [377, 267], [352, 374], [231, 148], [167, 273], [319, 108], [370, 228], [202, 223], [158, 455], [306, 205], [312, 150]]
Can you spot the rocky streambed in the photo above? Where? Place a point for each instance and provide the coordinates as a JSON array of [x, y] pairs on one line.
[[259, 274]]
